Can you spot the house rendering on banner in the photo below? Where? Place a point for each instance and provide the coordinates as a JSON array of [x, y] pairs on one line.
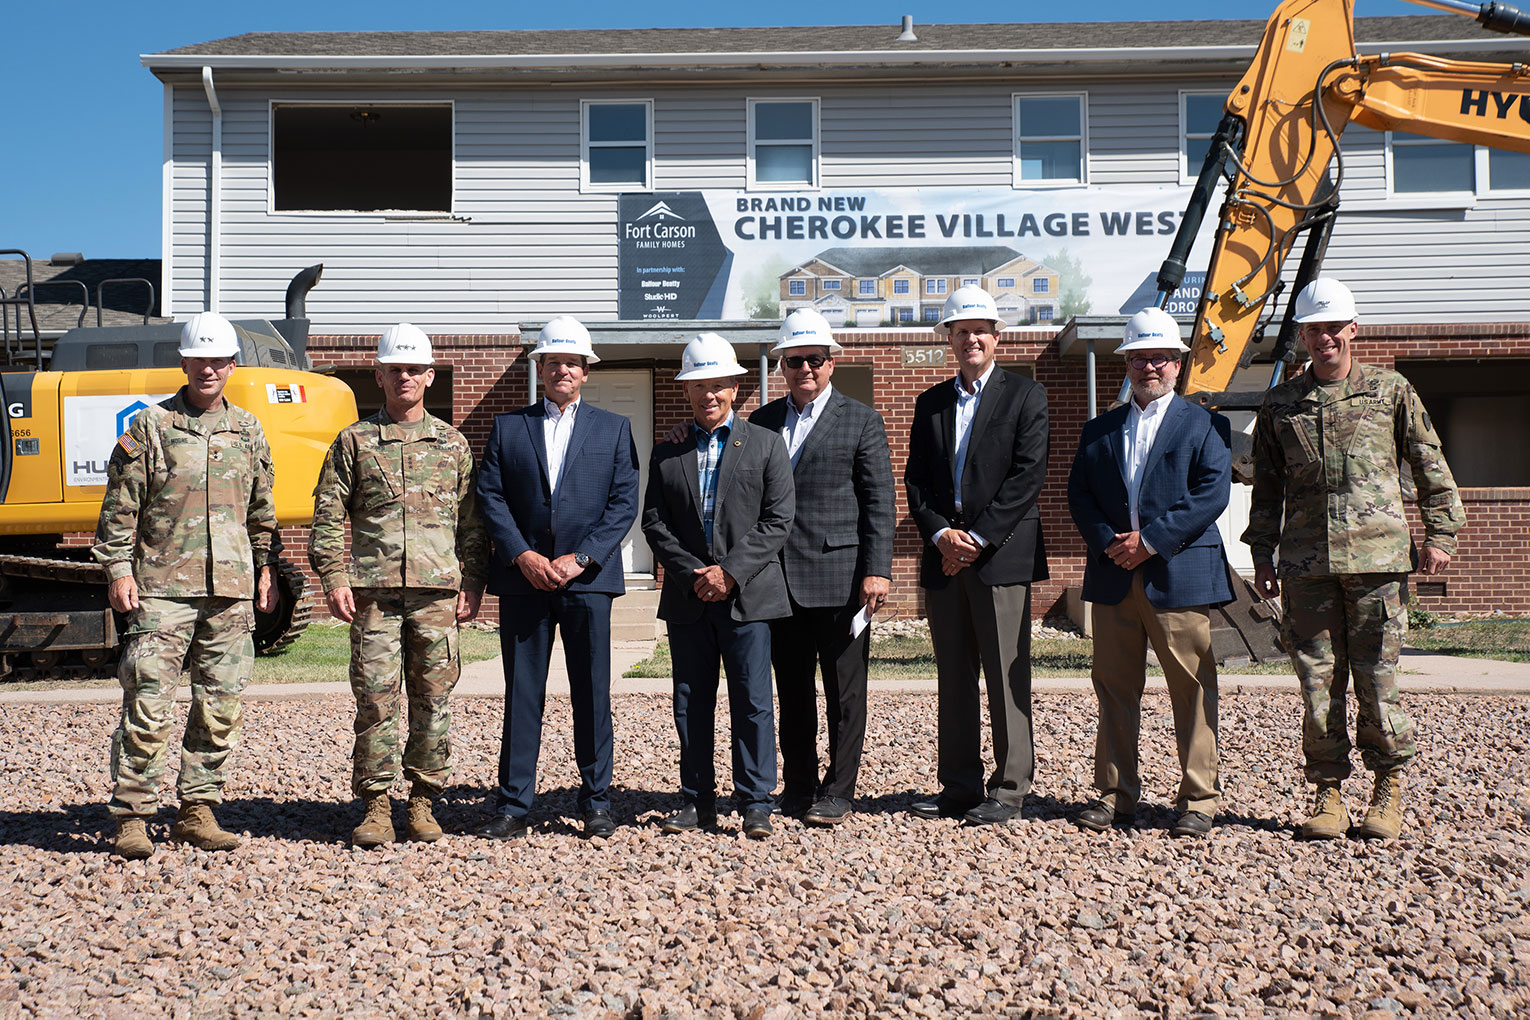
[[660, 182], [874, 287]]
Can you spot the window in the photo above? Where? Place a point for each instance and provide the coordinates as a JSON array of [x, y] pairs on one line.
[[1199, 115], [369, 158], [618, 146], [783, 143], [829, 284], [1044, 313], [369, 396], [905, 315], [931, 313], [1509, 171], [1050, 140], [1041, 285], [1481, 410], [935, 286], [866, 288], [969, 281], [1005, 281], [900, 286], [855, 381], [796, 288], [1421, 165]]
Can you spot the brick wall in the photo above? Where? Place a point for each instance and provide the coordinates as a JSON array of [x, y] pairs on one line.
[[489, 376]]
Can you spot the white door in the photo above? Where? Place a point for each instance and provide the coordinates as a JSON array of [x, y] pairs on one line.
[[629, 392]]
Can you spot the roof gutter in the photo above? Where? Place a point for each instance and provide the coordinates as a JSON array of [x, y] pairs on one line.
[[585, 61], [214, 194]]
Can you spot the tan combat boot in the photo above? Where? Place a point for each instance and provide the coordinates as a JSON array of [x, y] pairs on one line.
[[422, 826], [133, 839], [1383, 819], [1328, 820], [377, 827], [195, 824]]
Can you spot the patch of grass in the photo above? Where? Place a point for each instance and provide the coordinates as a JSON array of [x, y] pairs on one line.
[[1508, 640], [896, 659]]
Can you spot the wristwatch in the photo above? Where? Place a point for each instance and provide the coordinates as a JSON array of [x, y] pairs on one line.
[[582, 561]]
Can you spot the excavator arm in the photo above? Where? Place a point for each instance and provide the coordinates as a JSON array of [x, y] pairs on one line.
[[1278, 149]]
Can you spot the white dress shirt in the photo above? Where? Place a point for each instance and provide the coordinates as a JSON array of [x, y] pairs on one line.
[[1142, 425], [800, 422], [557, 430], [966, 411]]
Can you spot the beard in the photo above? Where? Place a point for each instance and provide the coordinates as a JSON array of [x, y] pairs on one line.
[[1149, 391]]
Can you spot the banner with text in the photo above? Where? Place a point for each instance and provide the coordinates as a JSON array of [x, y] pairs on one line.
[[890, 256]]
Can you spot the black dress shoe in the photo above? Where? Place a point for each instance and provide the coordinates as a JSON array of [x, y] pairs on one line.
[[598, 825], [941, 806], [793, 805], [688, 819], [991, 812], [502, 827], [827, 811], [1192, 823], [757, 823], [1099, 816]]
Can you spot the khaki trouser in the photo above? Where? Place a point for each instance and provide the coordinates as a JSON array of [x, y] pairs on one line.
[[408, 634], [160, 631], [1182, 640]]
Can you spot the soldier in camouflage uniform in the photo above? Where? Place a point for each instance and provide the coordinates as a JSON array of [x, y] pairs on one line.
[[1328, 447], [187, 514], [419, 557]]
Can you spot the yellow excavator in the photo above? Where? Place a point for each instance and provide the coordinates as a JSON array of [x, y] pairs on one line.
[[1277, 149], [65, 406]]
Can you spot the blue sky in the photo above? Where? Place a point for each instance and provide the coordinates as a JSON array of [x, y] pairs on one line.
[[80, 160]]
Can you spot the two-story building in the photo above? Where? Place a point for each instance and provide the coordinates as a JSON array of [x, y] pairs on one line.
[[478, 183]]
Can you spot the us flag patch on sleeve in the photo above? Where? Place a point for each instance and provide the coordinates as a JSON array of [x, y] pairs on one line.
[[129, 444]]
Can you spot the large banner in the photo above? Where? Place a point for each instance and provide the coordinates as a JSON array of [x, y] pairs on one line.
[[889, 257]]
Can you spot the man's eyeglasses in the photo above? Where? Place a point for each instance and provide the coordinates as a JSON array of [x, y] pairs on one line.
[[812, 360], [1143, 361]]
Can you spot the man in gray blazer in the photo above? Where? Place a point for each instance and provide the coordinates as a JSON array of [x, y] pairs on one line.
[[717, 512], [838, 559]]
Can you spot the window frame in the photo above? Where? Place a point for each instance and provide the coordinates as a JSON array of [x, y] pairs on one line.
[[1020, 181], [865, 288], [1449, 199], [793, 284], [934, 286], [752, 183], [436, 214], [1188, 173], [586, 186]]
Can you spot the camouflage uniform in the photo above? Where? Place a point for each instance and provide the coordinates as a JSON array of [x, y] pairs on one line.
[[1328, 455], [407, 490], [187, 512]]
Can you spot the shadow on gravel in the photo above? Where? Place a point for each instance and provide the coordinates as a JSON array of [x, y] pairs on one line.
[[78, 828]]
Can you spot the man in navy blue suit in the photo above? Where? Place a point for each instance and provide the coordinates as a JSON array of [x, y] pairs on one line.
[[558, 488], [1148, 483]]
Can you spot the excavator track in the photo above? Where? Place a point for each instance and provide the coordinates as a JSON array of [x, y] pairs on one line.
[[45, 594]]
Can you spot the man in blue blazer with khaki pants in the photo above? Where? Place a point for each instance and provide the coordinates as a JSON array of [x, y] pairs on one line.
[[1148, 483], [558, 488]]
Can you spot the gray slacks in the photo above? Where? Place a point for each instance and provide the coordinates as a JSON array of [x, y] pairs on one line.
[[974, 625]]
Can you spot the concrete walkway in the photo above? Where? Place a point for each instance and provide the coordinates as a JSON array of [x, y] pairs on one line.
[[1421, 672]]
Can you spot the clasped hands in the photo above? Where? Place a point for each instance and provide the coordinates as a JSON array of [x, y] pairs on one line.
[[1127, 551], [958, 551], [545, 574], [711, 584]]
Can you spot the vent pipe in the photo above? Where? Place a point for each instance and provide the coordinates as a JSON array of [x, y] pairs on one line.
[[908, 30]]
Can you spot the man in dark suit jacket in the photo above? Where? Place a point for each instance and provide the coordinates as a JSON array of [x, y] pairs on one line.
[[838, 559], [718, 509], [976, 460], [558, 490], [1148, 483]]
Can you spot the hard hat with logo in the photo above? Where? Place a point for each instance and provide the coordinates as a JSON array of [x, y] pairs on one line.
[[1151, 329], [208, 335], [564, 334], [969, 302], [708, 356], [404, 344], [805, 327], [1325, 300]]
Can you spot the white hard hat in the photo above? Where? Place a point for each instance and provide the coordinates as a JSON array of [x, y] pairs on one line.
[[564, 334], [1151, 329], [404, 344], [208, 335], [708, 356], [970, 302], [1325, 300], [805, 327]]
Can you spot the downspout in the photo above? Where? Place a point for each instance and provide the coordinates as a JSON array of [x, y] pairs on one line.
[[764, 375], [167, 211], [214, 195]]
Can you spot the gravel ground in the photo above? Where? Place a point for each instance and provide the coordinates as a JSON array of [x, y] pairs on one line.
[[887, 915]]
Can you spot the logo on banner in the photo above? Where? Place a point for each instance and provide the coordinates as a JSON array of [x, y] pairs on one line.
[[662, 211], [291, 393], [92, 426]]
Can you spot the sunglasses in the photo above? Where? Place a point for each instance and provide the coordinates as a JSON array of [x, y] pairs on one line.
[[811, 360], [1156, 360]]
